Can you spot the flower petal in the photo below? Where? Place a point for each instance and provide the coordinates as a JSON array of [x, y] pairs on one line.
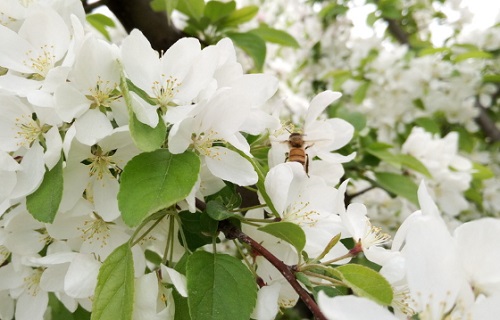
[[229, 165]]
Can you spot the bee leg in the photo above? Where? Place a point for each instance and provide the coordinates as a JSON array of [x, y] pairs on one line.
[[286, 156]]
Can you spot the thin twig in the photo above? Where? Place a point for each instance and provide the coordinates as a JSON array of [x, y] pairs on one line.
[[89, 7], [232, 232], [486, 124]]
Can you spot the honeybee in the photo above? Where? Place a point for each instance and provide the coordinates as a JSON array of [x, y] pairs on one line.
[[297, 152]]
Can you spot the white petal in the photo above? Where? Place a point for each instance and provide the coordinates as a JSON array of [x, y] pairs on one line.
[[105, 194], [336, 157], [11, 56], [433, 271], [267, 302], [426, 203], [229, 165], [352, 308], [200, 75], [70, 103], [92, 126], [144, 112], [319, 103], [31, 176], [75, 179], [140, 71], [32, 307], [52, 279], [486, 309], [81, 279], [54, 147], [6, 305], [179, 137], [11, 109], [146, 296], [281, 184], [343, 132], [477, 243], [178, 280], [179, 58]]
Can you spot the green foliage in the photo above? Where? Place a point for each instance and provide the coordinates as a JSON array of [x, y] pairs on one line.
[[365, 282], [154, 181], [114, 293], [399, 160], [59, 312], [191, 8], [287, 231], [44, 202], [252, 44], [219, 287], [275, 36], [398, 184], [241, 16], [218, 211], [145, 137], [216, 10], [193, 230], [101, 22]]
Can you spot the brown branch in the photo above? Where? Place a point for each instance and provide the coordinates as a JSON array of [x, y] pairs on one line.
[[397, 32], [232, 232], [89, 7], [348, 197], [486, 124], [138, 14]]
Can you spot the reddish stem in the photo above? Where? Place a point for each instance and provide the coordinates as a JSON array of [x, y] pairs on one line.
[[232, 232]]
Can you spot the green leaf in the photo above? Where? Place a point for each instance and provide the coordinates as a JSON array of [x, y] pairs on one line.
[[155, 180], [495, 78], [360, 93], [114, 293], [216, 10], [431, 50], [413, 163], [218, 211], [59, 312], [145, 137], [252, 44], [240, 16], [276, 36], [473, 55], [366, 282], [429, 124], [481, 172], [288, 231], [219, 287], [181, 307], [44, 202], [193, 230], [357, 119], [398, 184], [192, 8], [100, 22]]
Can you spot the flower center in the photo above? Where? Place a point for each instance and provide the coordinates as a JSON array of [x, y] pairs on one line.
[[32, 282], [165, 89], [42, 61], [298, 214], [102, 93], [101, 163], [95, 229], [374, 236], [4, 254], [204, 142], [28, 130]]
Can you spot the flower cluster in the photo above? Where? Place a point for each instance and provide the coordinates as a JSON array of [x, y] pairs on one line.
[[77, 116]]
